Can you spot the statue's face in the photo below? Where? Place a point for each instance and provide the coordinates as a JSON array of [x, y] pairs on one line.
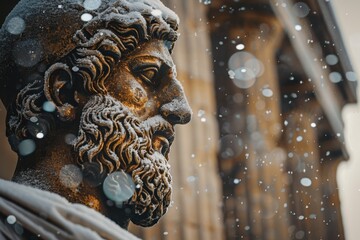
[[131, 128], [146, 83]]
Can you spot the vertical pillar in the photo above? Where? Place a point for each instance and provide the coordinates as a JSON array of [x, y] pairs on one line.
[[252, 161], [306, 205], [261, 36], [312, 164]]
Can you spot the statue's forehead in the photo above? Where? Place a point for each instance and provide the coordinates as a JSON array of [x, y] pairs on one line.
[[154, 48]]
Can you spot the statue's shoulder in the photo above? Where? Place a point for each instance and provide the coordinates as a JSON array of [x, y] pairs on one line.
[[26, 212]]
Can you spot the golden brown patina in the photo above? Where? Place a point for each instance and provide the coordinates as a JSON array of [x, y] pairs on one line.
[[95, 95]]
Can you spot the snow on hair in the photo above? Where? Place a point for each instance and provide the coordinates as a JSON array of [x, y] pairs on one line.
[[101, 43]]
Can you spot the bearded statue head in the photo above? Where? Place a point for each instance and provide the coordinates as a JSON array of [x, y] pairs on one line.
[[90, 85]]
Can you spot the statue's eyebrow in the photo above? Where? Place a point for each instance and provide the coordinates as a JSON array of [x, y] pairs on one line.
[[160, 60]]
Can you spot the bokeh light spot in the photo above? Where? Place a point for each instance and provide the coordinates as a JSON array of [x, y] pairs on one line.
[[301, 9], [86, 17], [69, 138], [40, 135], [11, 219], [70, 176], [26, 147], [244, 68], [49, 106], [306, 182], [16, 25], [299, 138], [267, 92], [331, 59], [299, 234], [118, 186], [298, 27], [240, 46], [351, 76], [92, 4], [335, 77]]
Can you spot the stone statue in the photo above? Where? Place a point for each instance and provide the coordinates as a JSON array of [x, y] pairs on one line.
[[92, 99]]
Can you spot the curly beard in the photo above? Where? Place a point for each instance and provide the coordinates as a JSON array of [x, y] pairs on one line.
[[112, 138]]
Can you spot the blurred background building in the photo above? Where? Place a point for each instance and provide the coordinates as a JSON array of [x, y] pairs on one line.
[[267, 81]]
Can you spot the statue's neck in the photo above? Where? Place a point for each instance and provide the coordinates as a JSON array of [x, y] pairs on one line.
[[55, 170]]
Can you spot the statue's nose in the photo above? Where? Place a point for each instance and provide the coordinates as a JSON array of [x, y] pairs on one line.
[[176, 111]]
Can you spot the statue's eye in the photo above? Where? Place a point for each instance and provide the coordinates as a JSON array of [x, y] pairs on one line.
[[149, 75]]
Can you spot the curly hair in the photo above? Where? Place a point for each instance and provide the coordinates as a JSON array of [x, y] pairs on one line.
[[100, 45]]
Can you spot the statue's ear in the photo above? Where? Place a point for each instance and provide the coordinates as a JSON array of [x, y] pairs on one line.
[[59, 90]]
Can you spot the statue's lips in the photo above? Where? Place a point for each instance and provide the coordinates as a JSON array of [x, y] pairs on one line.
[[162, 141]]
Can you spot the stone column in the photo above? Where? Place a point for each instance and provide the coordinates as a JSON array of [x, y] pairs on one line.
[[252, 159], [312, 162], [196, 209], [305, 205], [261, 36]]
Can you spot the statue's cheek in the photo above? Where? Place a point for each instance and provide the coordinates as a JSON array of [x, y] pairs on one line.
[[138, 95]]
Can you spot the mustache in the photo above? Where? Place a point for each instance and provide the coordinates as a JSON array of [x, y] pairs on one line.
[[157, 124]]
